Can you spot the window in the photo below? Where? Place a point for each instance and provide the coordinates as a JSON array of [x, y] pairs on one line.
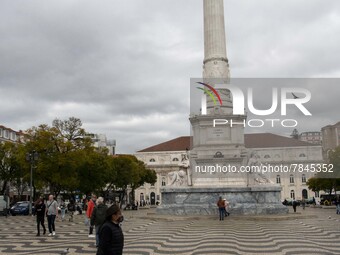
[[302, 155], [291, 178], [304, 194], [266, 156], [163, 181], [6, 135], [13, 136], [292, 194], [152, 160], [175, 159], [278, 179], [0, 132], [303, 178]]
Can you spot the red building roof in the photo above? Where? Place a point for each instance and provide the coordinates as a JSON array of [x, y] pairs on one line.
[[260, 140]]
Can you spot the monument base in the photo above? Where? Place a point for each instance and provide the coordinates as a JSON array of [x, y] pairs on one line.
[[257, 200]]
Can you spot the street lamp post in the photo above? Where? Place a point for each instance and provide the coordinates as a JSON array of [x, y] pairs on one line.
[[31, 157]]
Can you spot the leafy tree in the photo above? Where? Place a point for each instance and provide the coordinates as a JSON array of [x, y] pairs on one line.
[[130, 172], [93, 170], [10, 169], [328, 181], [62, 152]]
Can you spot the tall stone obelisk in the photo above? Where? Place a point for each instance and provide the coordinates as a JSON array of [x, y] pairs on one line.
[[216, 146], [215, 53], [223, 145]]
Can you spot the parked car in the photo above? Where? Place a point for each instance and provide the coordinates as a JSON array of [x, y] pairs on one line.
[[290, 202], [21, 208]]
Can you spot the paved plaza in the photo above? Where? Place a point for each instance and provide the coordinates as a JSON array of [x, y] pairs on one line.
[[313, 231]]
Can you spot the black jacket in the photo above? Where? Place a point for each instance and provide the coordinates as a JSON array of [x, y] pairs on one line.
[[40, 210], [111, 239]]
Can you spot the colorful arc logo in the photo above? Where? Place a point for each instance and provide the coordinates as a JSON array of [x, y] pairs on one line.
[[206, 91]]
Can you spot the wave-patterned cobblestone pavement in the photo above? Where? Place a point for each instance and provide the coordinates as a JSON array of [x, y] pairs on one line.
[[312, 232]]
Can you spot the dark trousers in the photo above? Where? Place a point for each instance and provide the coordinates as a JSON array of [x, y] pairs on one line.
[[50, 220], [222, 212], [91, 230], [40, 221]]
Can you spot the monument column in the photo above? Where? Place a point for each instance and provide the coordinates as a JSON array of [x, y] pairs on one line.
[[216, 147], [215, 53]]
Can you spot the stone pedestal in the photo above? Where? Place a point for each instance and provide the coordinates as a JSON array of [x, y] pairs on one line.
[[202, 201]]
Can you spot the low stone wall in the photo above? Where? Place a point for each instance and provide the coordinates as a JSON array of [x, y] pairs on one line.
[[257, 200]]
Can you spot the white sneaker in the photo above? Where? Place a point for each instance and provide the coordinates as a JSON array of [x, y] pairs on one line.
[[50, 234], [53, 233], [92, 236]]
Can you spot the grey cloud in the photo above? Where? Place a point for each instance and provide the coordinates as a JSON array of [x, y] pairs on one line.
[[124, 67]]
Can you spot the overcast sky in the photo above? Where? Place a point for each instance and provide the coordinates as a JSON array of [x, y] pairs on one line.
[[124, 67]]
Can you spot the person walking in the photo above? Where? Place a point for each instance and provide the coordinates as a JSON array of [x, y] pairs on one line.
[[226, 208], [98, 216], [294, 205], [52, 213], [62, 209], [337, 204], [40, 208], [90, 206], [71, 208], [221, 208], [111, 237], [303, 203]]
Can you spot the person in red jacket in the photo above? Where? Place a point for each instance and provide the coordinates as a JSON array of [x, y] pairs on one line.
[[90, 206]]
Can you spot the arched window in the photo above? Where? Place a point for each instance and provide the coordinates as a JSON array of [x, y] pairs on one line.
[[163, 181], [175, 159], [152, 160], [291, 178], [278, 179], [302, 155], [292, 194], [303, 178], [266, 156], [304, 193]]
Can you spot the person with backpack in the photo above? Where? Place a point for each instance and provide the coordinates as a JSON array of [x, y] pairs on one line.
[[98, 216]]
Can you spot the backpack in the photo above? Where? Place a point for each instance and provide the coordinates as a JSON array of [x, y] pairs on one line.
[[100, 214]]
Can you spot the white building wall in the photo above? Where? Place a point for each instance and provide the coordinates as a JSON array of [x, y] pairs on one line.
[[165, 162]]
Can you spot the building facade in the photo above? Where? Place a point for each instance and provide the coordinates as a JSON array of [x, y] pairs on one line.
[[270, 150], [100, 141], [10, 135], [331, 138], [313, 137]]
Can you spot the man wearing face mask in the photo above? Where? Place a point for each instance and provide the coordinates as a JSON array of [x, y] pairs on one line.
[[111, 238]]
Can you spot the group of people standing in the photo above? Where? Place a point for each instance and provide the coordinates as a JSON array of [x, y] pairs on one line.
[[105, 221]]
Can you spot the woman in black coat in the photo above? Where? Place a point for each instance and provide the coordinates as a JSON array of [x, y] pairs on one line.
[[111, 238], [40, 212]]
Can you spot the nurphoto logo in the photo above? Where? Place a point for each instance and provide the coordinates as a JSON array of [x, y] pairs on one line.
[[286, 98]]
